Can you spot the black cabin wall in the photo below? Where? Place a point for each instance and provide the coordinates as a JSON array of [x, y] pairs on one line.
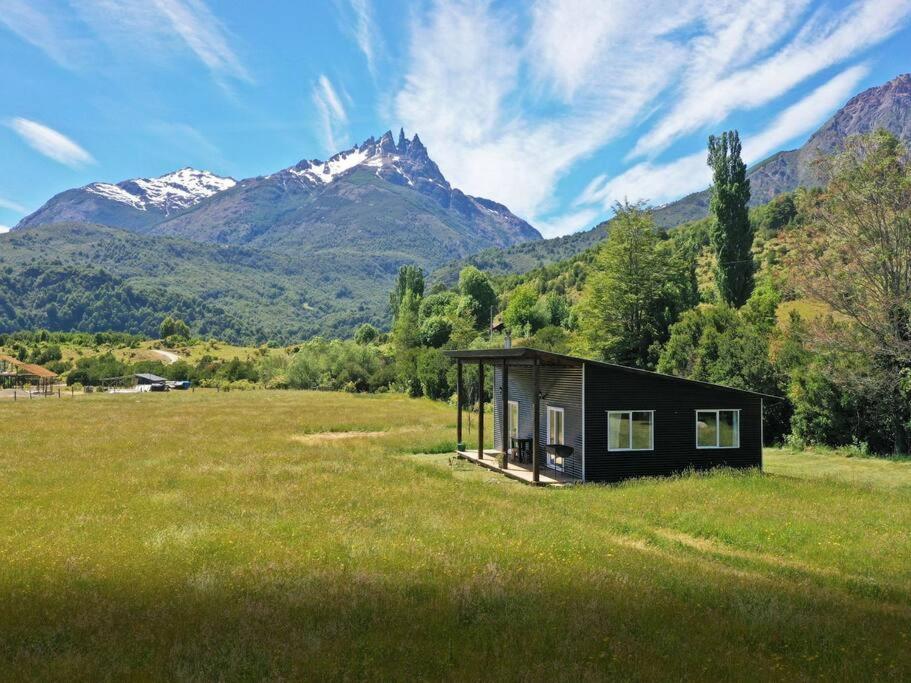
[[675, 404], [561, 387]]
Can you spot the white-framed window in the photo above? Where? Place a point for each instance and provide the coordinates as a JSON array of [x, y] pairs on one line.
[[630, 430], [718, 428], [513, 417], [555, 435]]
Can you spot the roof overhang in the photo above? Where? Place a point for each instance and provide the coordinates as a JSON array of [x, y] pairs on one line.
[[529, 356], [515, 356]]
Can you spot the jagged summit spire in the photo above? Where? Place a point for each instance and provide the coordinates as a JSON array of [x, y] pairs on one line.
[[403, 142]]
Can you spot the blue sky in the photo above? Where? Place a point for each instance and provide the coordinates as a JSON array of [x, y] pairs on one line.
[[556, 108]]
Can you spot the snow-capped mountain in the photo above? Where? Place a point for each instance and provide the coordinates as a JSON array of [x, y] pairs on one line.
[[404, 163], [168, 193], [134, 204], [368, 193], [377, 195]]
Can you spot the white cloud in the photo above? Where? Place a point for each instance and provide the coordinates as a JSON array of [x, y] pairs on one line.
[[4, 228], [652, 182], [12, 206], [467, 93], [661, 182], [43, 29], [508, 112], [333, 117], [203, 33], [822, 42], [364, 31], [51, 143], [804, 116], [152, 30], [569, 223]]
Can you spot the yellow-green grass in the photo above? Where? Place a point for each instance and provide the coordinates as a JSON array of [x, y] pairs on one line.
[[808, 309], [192, 354], [840, 466], [247, 536]]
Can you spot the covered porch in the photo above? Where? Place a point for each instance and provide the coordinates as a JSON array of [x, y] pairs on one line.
[[519, 471], [533, 376]]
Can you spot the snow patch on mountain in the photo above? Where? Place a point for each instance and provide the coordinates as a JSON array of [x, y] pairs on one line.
[[115, 193], [326, 172], [170, 192]]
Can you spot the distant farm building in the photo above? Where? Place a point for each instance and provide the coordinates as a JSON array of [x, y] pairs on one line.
[[16, 373], [148, 378]]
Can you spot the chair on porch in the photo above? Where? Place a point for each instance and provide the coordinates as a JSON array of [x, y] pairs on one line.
[[521, 449]]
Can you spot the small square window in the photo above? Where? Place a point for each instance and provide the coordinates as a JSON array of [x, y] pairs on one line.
[[718, 429], [630, 430]]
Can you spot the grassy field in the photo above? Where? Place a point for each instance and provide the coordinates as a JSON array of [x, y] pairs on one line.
[[300, 535]]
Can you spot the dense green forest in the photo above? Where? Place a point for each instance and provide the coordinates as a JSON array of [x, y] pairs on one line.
[[74, 276]]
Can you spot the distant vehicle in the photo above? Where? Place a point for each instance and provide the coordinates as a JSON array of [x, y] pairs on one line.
[[180, 385], [159, 387]]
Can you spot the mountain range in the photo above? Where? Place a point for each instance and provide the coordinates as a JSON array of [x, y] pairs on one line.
[[312, 248], [327, 236]]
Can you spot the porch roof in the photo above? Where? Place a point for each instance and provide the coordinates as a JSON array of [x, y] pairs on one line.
[[527, 356], [519, 355]]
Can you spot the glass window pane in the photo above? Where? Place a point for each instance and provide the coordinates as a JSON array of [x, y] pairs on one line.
[[706, 428], [624, 430], [642, 430], [727, 428], [613, 430], [514, 420], [559, 415]]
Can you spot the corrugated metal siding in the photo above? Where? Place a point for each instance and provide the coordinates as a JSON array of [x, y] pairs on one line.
[[562, 388], [675, 405]]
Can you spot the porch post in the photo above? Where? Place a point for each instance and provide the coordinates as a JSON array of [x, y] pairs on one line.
[[535, 437], [480, 410], [459, 444], [504, 415]]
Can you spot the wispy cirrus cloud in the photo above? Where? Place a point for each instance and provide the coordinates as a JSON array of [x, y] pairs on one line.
[[510, 112], [660, 182], [12, 206], [364, 30], [51, 143], [333, 117], [38, 24], [466, 91], [709, 96], [149, 30]]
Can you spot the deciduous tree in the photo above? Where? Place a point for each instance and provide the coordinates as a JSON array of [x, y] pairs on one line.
[[855, 256]]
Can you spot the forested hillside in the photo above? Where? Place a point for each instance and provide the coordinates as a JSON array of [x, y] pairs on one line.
[[96, 278]]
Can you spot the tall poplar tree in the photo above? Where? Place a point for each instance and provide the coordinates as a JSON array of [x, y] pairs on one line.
[[731, 232]]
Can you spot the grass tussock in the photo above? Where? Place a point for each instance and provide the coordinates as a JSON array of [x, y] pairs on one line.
[[190, 536]]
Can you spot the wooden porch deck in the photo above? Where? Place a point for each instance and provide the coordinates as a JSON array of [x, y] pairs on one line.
[[518, 471]]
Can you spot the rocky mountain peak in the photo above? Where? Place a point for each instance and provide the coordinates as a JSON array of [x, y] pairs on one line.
[[886, 106]]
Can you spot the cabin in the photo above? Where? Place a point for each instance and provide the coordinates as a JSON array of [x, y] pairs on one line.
[[561, 419]]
